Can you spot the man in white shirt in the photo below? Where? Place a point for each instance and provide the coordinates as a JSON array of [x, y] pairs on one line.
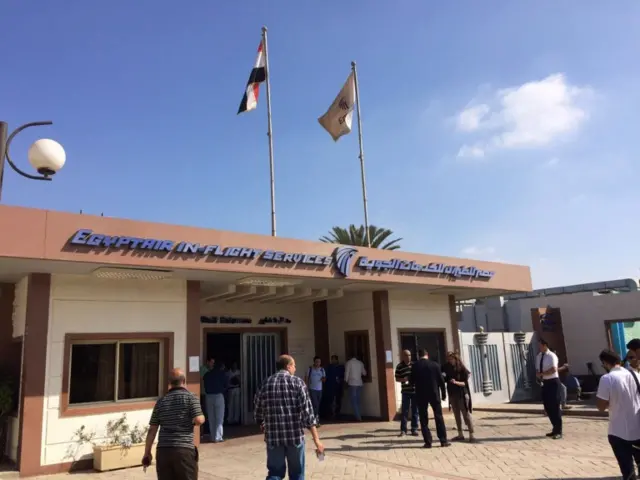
[[547, 374], [618, 393], [353, 372]]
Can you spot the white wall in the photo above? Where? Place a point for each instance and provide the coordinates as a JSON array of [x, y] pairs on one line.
[[83, 304], [354, 311], [20, 307], [417, 310], [583, 317], [301, 340]]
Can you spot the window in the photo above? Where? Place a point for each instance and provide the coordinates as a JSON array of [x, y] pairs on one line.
[[356, 344], [433, 342], [114, 370]]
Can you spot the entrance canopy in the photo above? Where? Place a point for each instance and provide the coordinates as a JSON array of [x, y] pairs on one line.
[[233, 266]]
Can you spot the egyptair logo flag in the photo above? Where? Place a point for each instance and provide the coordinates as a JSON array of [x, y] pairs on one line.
[[258, 75], [338, 118]]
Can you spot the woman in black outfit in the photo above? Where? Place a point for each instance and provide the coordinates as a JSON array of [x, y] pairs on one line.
[[456, 376]]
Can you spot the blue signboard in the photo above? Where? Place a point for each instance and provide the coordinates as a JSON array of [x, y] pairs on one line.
[[341, 259]]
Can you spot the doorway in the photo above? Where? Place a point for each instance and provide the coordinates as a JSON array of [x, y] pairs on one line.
[[432, 341], [255, 353], [226, 350]]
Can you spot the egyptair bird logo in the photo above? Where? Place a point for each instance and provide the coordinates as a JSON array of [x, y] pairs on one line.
[[342, 257], [343, 104]]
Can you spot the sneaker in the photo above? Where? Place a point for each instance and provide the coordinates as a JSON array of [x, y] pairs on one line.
[[557, 436], [445, 444], [426, 445], [403, 434], [414, 433]]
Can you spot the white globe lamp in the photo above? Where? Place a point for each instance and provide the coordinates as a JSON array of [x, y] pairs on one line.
[[46, 156]]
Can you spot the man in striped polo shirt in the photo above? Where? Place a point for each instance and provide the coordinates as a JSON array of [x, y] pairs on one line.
[[403, 374], [175, 415]]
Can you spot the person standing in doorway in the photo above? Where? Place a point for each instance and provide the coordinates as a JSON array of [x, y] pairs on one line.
[[456, 376], [333, 387], [407, 389], [618, 393], [353, 372], [203, 397], [175, 414], [283, 410], [426, 375], [216, 383], [547, 373], [234, 394], [316, 376]]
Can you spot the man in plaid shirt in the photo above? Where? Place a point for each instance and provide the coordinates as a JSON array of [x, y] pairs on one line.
[[283, 409]]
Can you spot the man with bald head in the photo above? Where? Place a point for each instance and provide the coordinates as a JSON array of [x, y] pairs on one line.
[[283, 410], [175, 415], [408, 390]]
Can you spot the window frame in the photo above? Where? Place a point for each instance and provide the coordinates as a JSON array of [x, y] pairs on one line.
[[367, 360], [165, 339]]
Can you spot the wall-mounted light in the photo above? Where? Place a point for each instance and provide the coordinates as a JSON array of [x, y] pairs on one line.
[[116, 273]]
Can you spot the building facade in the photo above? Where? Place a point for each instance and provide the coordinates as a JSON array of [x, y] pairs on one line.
[[582, 319], [94, 311]]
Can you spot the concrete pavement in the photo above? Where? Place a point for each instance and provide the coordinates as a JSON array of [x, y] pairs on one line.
[[512, 446]]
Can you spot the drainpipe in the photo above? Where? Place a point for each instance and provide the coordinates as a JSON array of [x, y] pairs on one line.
[[481, 341], [520, 338]]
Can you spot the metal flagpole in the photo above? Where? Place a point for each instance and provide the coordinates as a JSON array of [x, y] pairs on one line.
[[269, 132], [364, 181]]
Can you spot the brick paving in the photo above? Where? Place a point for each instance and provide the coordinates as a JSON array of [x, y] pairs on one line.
[[512, 446]]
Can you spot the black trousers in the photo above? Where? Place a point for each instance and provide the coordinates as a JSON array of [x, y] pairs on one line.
[[551, 402], [626, 456], [177, 463], [423, 413]]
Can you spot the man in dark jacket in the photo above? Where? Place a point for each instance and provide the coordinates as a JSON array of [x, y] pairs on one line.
[[426, 375]]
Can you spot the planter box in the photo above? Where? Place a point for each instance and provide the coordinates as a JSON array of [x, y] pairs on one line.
[[116, 457]]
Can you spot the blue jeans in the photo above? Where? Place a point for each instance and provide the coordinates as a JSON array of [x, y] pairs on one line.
[[278, 458], [316, 398], [409, 403], [215, 411], [354, 396]]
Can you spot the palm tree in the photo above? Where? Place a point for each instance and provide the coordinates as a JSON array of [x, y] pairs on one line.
[[356, 236]]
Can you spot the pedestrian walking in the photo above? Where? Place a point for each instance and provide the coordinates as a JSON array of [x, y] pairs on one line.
[[408, 392], [175, 415], [316, 377], [456, 376], [216, 384], [618, 393], [547, 374], [283, 410], [353, 372], [333, 387], [426, 375]]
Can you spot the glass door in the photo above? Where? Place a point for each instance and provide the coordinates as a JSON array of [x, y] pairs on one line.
[[260, 352]]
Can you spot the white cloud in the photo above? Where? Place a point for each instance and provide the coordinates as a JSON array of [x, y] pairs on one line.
[[471, 151], [535, 114], [470, 119], [478, 251], [552, 162]]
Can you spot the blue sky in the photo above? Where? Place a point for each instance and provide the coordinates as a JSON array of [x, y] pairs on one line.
[[503, 133]]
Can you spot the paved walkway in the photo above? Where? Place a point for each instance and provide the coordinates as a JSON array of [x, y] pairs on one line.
[[576, 409], [512, 447]]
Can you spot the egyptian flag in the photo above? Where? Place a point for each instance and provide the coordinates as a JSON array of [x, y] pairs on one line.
[[258, 75]]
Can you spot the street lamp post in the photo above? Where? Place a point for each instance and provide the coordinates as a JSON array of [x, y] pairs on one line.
[[46, 156]]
